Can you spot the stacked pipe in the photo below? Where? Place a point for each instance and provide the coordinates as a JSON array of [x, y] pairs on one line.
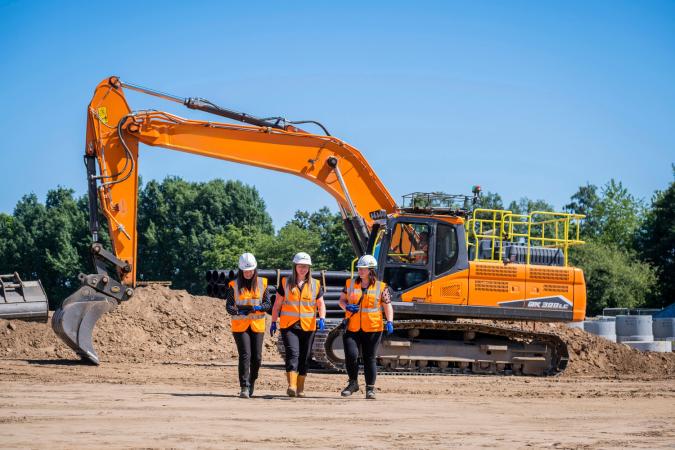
[[218, 280]]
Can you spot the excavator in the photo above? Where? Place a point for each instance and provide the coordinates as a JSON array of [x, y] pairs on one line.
[[457, 274]]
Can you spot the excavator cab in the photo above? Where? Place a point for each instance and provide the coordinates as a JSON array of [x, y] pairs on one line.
[[419, 251]]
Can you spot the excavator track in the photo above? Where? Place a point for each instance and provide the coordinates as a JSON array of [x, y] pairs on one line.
[[437, 347]]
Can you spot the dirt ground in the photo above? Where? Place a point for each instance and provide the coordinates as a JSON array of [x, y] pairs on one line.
[[59, 404], [168, 380]]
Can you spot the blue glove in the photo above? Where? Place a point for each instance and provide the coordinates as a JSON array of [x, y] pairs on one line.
[[389, 327], [257, 308], [352, 308], [322, 324], [273, 328], [242, 312]]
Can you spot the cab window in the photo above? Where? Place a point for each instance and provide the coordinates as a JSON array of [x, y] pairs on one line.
[[409, 244], [446, 248]]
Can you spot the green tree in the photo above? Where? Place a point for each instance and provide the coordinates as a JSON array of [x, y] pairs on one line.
[[526, 206], [490, 200], [585, 201], [656, 242], [179, 223], [228, 246], [615, 277], [47, 242], [613, 216], [335, 251], [276, 252]]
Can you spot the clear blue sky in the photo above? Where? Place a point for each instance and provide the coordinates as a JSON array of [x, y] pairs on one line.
[[524, 98]]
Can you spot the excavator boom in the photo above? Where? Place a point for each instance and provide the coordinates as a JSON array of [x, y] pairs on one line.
[[112, 158]]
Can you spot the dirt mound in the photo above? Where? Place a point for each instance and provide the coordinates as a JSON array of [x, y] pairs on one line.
[[164, 325], [157, 324], [593, 356]]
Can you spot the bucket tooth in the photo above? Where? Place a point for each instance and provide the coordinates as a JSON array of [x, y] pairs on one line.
[[75, 320]]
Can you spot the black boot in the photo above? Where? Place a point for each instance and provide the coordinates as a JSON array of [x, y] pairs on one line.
[[370, 392], [352, 387], [251, 385], [244, 392]]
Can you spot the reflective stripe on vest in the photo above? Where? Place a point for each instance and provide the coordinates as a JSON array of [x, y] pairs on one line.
[[256, 319], [369, 317], [296, 305]]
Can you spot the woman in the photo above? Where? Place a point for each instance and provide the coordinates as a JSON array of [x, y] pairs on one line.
[[363, 300], [247, 301], [299, 297]]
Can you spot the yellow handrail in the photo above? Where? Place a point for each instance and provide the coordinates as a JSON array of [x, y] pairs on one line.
[[536, 229]]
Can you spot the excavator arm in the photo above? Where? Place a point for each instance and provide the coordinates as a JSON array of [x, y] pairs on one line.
[[112, 157]]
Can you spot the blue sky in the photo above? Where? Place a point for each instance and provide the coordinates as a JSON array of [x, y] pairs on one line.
[[524, 98]]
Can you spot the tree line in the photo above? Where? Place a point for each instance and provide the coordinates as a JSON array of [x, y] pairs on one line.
[[186, 228]]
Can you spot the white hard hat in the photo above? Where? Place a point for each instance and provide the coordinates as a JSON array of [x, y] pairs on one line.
[[302, 258], [368, 261], [247, 262]]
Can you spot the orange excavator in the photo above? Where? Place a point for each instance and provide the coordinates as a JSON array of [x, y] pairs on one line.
[[445, 262]]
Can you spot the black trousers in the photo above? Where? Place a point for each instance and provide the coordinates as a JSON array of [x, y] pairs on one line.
[[368, 341], [298, 347], [249, 346]]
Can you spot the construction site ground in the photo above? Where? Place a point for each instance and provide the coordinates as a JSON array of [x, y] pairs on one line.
[[168, 378]]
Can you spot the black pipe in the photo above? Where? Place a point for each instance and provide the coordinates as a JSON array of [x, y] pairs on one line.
[[226, 275]]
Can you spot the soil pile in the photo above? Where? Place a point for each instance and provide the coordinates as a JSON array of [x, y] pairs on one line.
[[157, 324], [593, 356], [163, 325]]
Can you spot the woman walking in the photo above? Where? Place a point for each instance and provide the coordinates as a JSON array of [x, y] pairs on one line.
[[299, 297], [363, 299], [247, 301]]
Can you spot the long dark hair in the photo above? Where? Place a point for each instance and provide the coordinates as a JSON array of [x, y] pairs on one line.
[[244, 283], [372, 277], [291, 281]]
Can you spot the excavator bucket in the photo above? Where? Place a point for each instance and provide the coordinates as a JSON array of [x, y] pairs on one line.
[[75, 320], [22, 300]]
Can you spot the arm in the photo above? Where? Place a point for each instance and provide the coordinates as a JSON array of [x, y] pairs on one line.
[[385, 297], [343, 301], [322, 307], [266, 303], [229, 303], [277, 307]]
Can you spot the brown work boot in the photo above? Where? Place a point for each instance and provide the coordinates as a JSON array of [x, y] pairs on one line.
[[301, 385], [292, 378]]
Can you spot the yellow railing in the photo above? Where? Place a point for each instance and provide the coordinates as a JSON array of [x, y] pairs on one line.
[[539, 228]]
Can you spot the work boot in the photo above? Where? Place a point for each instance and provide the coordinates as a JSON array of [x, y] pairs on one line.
[[251, 385], [292, 378], [244, 392], [301, 386], [352, 387], [370, 392]]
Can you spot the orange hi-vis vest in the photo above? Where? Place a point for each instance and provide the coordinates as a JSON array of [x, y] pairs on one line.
[[369, 317], [244, 297], [299, 305]]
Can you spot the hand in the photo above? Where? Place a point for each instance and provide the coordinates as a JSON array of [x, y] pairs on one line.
[[257, 308], [273, 328], [322, 324], [389, 327], [243, 312], [352, 308]]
